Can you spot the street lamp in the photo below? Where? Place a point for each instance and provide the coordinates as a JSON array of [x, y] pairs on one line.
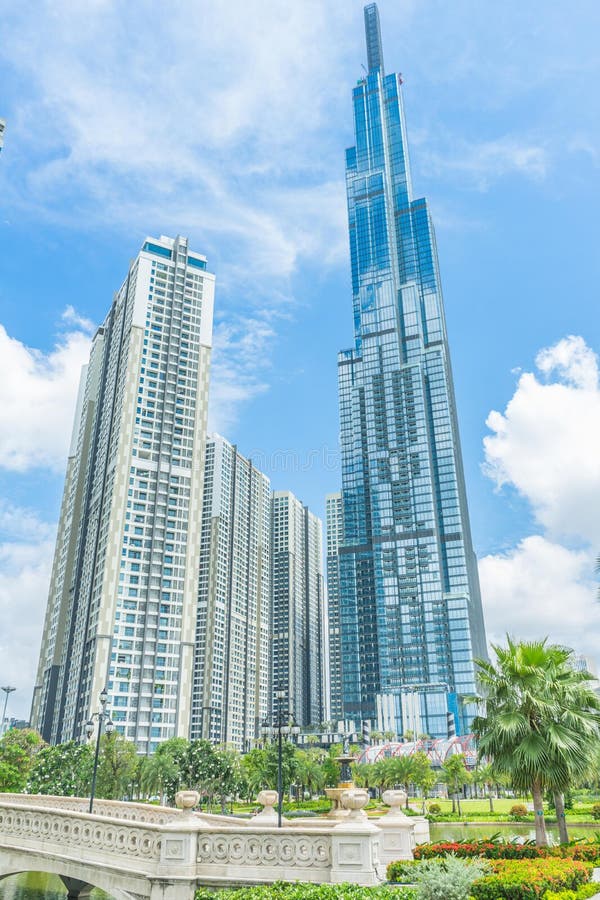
[[109, 726], [7, 690], [283, 724]]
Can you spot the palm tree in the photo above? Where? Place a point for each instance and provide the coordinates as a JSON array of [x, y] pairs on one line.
[[403, 771], [539, 720], [310, 773], [455, 775], [484, 774]]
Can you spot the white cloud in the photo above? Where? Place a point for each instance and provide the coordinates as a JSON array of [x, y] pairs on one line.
[[542, 589], [546, 442], [483, 162], [73, 319], [198, 117], [37, 399], [545, 445], [240, 359], [25, 563]]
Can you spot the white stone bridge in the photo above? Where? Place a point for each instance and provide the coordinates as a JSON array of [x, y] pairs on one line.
[[135, 851]]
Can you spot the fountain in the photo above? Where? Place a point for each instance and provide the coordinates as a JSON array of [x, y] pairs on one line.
[[345, 783]]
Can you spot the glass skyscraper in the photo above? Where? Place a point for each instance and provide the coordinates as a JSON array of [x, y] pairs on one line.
[[409, 603]]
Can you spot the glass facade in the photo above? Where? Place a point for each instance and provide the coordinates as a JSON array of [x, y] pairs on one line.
[[410, 609]]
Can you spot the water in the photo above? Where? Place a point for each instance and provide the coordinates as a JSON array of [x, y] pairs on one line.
[[39, 886], [448, 831]]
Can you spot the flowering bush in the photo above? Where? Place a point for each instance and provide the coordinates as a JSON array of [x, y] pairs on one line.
[[530, 879], [584, 851], [489, 849]]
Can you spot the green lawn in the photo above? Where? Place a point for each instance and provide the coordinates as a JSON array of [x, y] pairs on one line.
[[477, 806]]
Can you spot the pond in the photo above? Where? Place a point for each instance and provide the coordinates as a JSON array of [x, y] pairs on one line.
[[39, 886], [451, 831]]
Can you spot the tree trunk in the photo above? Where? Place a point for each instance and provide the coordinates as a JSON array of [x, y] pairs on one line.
[[491, 799], [453, 803], [559, 805], [458, 804], [541, 838], [406, 786]]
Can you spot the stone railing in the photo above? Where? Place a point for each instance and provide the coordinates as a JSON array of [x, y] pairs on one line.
[[75, 834], [183, 849], [134, 812], [272, 849]]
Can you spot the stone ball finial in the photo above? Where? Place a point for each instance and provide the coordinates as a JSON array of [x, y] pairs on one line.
[[355, 800], [395, 800], [187, 800]]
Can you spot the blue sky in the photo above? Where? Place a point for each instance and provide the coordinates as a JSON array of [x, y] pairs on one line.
[[227, 121]]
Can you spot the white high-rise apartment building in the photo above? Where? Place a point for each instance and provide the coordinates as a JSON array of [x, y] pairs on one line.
[[124, 586], [231, 670], [334, 528], [297, 608]]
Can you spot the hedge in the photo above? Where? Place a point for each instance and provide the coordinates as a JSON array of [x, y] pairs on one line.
[[530, 879], [281, 890]]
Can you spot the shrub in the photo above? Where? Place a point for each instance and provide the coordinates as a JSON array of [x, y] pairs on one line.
[[596, 810], [530, 879], [282, 890], [435, 809], [402, 871], [450, 878], [582, 893], [519, 811]]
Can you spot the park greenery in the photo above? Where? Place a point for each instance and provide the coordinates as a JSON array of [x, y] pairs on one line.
[[538, 734], [540, 723]]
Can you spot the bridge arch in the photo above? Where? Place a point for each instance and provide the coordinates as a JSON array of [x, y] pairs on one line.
[[74, 876]]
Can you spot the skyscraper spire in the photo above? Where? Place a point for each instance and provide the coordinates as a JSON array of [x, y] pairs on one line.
[[405, 612], [373, 37]]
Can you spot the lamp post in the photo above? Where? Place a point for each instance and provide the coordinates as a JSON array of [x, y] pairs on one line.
[[7, 690], [103, 718], [283, 724]]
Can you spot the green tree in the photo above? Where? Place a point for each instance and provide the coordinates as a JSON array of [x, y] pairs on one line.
[[158, 772], [310, 771], [289, 765], [172, 761], [403, 771], [455, 776], [64, 770], [18, 749], [541, 720], [229, 778], [255, 771], [485, 775], [364, 775], [117, 764], [423, 776], [331, 768]]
